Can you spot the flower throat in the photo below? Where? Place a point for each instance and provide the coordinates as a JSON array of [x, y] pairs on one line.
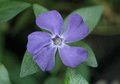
[[57, 40]]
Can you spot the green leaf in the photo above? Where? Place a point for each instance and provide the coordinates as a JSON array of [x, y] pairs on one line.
[[3, 1], [4, 77], [74, 77], [91, 15], [10, 9], [39, 9], [84, 70], [28, 66], [91, 60]]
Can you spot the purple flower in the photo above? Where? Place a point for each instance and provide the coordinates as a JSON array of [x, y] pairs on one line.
[[43, 45]]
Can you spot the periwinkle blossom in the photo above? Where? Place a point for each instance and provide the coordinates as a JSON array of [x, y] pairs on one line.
[[43, 45]]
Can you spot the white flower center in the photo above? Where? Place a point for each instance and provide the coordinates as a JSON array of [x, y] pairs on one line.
[[57, 41]]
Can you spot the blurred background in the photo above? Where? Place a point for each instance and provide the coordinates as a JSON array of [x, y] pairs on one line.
[[104, 40]]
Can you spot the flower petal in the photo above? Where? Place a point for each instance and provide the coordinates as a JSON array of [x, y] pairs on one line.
[[76, 29], [51, 21], [72, 56], [36, 41], [45, 58]]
